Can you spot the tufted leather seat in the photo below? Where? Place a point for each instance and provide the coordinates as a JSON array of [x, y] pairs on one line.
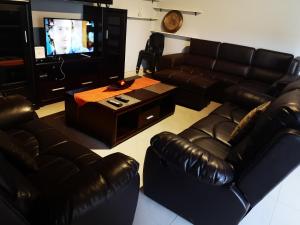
[[224, 64], [71, 185], [198, 171], [189, 73]]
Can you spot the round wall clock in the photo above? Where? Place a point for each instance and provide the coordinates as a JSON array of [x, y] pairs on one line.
[[172, 21]]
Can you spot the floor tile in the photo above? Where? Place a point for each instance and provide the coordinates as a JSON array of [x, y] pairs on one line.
[[180, 221], [290, 192], [284, 215], [262, 213], [149, 212]]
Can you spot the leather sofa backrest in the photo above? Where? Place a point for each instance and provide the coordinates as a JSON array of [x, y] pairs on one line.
[[234, 59], [269, 66], [283, 113], [203, 53], [204, 48]]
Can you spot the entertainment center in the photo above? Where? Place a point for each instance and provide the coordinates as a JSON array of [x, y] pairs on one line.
[[78, 53], [16, 49]]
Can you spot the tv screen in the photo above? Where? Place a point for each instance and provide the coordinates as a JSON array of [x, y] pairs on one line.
[[68, 36]]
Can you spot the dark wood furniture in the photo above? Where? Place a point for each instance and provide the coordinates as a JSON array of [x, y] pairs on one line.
[[54, 80], [105, 65], [111, 26], [16, 50], [112, 124]]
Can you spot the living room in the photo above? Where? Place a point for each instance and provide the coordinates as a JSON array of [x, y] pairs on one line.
[[201, 126]]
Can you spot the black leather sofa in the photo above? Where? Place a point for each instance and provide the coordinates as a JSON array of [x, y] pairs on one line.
[[202, 177], [226, 64], [47, 179]]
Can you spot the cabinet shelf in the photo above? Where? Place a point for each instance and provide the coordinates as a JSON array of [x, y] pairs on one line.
[[9, 26], [181, 10], [11, 63]]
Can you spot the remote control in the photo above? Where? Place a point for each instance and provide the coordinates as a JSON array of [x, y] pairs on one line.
[[115, 103], [122, 99]]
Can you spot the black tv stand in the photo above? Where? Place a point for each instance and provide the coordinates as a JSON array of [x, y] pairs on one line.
[[103, 66]]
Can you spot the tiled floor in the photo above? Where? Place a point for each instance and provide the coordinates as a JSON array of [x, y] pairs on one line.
[[280, 207]]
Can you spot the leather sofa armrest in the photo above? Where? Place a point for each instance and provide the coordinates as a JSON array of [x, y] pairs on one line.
[[246, 98], [172, 60], [280, 84], [14, 110], [118, 169], [192, 159], [90, 189]]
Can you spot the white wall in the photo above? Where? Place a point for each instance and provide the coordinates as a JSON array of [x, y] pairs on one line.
[[271, 24], [138, 31]]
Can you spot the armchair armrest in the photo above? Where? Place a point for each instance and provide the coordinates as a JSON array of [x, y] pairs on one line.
[[280, 84], [118, 169], [15, 109], [98, 187], [172, 60], [192, 159], [245, 97]]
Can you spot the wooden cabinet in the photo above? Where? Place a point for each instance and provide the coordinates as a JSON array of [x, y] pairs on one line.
[[55, 78], [16, 50], [114, 44], [111, 25]]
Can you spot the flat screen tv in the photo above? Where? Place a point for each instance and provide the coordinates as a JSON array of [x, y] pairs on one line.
[[68, 36]]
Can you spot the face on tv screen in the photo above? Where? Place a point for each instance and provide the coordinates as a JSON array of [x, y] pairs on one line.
[[65, 36]]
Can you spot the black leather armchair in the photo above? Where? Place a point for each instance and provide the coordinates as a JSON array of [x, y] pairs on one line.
[[47, 179], [202, 177]]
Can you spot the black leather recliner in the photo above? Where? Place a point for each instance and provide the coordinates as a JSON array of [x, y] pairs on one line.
[[47, 179], [202, 177]]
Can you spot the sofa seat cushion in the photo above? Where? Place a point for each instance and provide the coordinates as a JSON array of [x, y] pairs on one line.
[[231, 111], [206, 142], [255, 86], [226, 78], [216, 126], [163, 75], [199, 83], [180, 78]]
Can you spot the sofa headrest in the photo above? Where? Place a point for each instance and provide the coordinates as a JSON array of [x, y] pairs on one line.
[[236, 53], [204, 48], [271, 60]]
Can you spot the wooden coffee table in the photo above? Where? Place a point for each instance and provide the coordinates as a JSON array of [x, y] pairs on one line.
[[112, 124]]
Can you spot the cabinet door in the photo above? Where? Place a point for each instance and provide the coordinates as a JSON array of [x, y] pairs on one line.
[[16, 76], [114, 33]]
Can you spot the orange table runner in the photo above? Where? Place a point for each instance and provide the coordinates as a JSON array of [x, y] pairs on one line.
[[102, 93]]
